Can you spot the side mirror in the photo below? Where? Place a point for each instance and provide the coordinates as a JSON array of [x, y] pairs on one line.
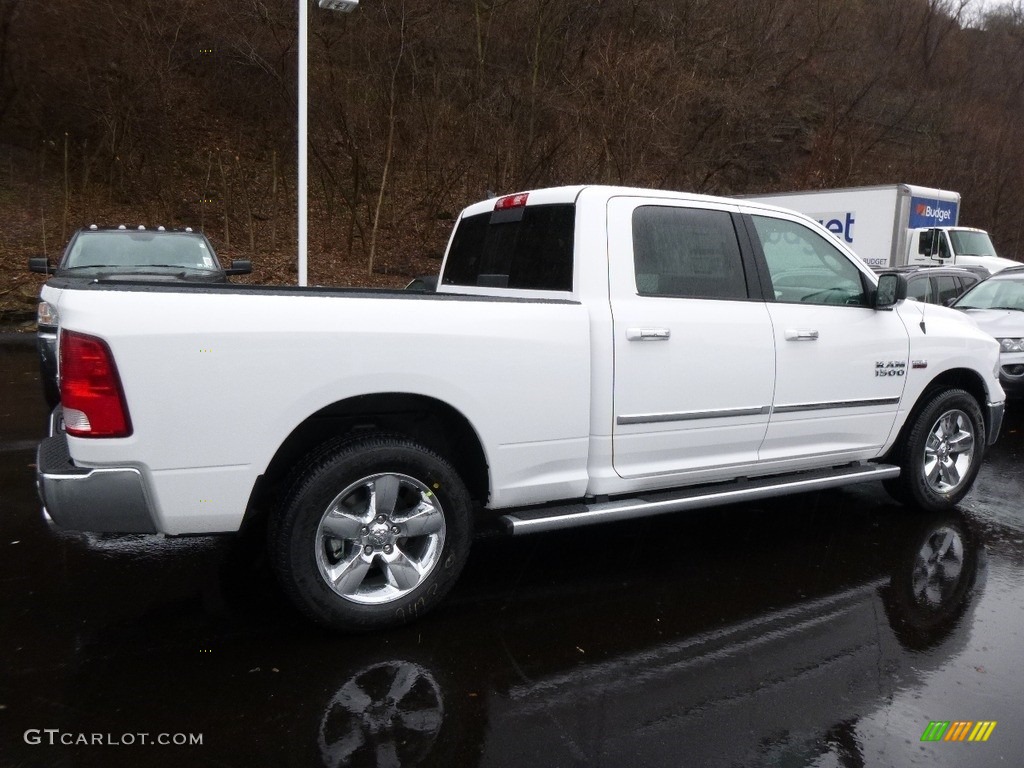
[[40, 265], [239, 267], [892, 289]]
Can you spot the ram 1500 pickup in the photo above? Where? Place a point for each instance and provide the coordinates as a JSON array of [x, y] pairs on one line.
[[591, 354]]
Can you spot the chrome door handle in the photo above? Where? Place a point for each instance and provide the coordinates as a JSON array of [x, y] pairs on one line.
[[648, 334], [801, 335]]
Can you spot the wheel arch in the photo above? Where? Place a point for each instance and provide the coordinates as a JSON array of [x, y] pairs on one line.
[[432, 423], [954, 378]]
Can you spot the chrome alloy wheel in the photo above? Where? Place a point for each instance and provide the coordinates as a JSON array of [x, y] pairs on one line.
[[948, 451], [380, 538], [938, 567]]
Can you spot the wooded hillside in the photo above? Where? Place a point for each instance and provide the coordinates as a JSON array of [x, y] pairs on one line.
[[182, 112]]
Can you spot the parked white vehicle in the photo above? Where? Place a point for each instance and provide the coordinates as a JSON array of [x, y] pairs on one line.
[[997, 307], [897, 224], [591, 354]]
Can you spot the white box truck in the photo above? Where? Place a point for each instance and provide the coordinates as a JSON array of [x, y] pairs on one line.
[[896, 224]]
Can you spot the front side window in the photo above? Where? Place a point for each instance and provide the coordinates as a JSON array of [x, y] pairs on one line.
[[805, 267], [686, 252], [943, 247], [920, 288]]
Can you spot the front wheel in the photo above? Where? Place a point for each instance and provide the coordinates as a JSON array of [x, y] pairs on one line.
[[941, 452], [373, 534]]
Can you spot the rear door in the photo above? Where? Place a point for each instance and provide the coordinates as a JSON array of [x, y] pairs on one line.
[[693, 344]]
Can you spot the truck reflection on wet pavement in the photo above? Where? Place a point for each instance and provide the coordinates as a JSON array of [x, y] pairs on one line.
[[826, 629]]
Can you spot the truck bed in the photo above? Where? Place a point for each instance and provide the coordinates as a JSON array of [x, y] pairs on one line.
[[246, 366]]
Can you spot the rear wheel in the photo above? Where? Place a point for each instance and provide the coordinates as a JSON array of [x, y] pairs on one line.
[[941, 452], [373, 534]]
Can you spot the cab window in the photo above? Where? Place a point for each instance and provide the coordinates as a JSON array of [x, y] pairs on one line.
[[529, 247]]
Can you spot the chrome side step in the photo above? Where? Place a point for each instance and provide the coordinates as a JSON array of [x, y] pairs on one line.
[[575, 515]]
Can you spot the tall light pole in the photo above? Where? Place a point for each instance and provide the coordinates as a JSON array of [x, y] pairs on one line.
[[344, 6]]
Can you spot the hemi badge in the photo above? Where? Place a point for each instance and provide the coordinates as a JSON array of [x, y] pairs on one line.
[[919, 364]]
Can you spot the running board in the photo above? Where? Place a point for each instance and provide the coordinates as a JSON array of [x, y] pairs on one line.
[[574, 515]]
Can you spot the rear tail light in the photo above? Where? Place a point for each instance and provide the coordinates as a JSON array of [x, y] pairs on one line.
[[90, 389], [511, 201]]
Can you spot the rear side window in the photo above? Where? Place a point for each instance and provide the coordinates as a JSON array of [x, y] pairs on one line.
[[948, 289], [529, 247], [686, 252]]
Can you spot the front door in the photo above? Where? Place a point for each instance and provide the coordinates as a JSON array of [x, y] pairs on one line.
[[840, 365]]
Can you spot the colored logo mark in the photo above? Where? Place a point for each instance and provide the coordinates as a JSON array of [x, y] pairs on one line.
[[958, 730], [925, 212]]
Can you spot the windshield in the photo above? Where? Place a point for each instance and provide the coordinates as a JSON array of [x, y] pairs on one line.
[[995, 293], [133, 249], [971, 243]]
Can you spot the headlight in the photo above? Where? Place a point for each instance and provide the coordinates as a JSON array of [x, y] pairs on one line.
[[46, 314]]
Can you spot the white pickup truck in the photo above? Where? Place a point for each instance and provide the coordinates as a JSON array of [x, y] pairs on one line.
[[591, 354]]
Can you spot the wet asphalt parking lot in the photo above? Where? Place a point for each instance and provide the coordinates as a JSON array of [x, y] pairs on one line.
[[825, 629]]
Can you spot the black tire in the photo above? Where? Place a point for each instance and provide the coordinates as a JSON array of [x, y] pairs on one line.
[[372, 534], [937, 471]]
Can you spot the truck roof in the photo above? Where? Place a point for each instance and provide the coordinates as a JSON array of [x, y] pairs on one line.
[[573, 193]]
